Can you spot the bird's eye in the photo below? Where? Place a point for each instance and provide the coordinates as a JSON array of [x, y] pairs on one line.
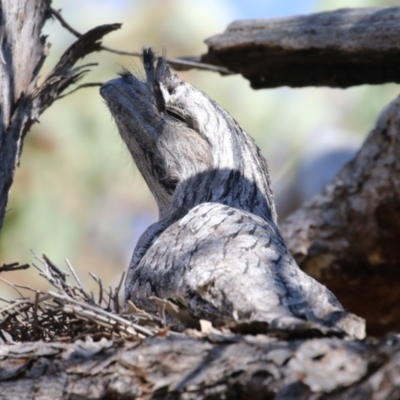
[[175, 115]]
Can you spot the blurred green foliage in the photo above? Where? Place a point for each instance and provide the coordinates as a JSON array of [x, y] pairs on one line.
[[77, 194]]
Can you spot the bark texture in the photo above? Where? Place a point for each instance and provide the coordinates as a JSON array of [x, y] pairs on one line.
[[348, 236], [338, 48], [244, 367], [22, 54]]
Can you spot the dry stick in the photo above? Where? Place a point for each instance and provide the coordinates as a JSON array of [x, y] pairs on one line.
[[83, 85], [116, 293], [13, 267], [24, 287], [52, 320], [177, 61], [100, 283], [14, 304], [110, 297], [29, 303], [13, 286], [100, 311], [35, 316], [55, 276], [5, 300], [80, 286], [63, 275], [101, 320], [74, 274]]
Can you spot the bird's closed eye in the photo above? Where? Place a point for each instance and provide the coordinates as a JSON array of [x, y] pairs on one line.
[[174, 113]]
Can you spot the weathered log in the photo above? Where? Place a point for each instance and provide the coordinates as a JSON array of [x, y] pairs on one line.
[[338, 48], [348, 236], [243, 367], [22, 54]]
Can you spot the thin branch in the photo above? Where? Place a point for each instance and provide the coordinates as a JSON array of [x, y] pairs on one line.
[[100, 283], [12, 286], [13, 267], [102, 312], [82, 86], [70, 312], [116, 294], [177, 63], [35, 325], [63, 275], [71, 268], [64, 23]]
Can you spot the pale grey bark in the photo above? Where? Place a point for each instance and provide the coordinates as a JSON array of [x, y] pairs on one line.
[[216, 367], [338, 48]]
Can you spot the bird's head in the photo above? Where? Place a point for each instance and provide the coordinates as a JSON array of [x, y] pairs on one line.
[[175, 132], [158, 134]]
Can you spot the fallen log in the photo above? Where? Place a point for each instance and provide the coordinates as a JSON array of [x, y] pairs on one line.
[[213, 367]]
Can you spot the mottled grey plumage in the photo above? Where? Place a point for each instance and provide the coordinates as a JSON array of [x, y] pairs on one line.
[[216, 250]]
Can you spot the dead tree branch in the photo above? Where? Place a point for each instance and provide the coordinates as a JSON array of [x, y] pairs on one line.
[[213, 367], [338, 48], [22, 101], [13, 267], [180, 64]]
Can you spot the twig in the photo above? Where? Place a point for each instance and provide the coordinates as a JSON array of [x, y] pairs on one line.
[[77, 280], [100, 283], [63, 275], [35, 316], [13, 286], [100, 311], [83, 85], [24, 287], [13, 267], [39, 259], [64, 23], [71, 312], [180, 62], [116, 293]]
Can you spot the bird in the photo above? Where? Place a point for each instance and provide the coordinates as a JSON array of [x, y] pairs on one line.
[[216, 251]]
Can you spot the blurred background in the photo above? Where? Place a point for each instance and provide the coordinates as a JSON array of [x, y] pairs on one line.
[[77, 194]]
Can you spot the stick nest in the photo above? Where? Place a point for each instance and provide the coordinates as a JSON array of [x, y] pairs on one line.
[[68, 312]]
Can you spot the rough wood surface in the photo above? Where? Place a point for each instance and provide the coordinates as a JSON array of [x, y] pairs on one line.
[[338, 48], [244, 367], [22, 54], [348, 236]]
